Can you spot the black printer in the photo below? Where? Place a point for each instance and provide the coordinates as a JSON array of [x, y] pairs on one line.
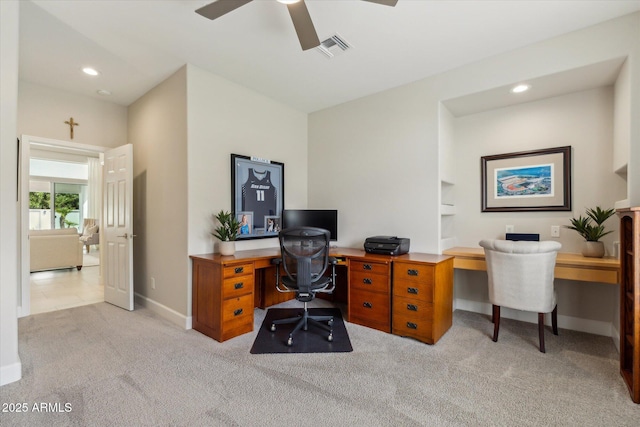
[[386, 245]]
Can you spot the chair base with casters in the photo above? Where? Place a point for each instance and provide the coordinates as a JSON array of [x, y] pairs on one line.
[[303, 322], [554, 325]]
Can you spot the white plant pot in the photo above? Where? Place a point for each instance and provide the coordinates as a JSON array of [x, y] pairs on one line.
[[593, 249], [227, 248]]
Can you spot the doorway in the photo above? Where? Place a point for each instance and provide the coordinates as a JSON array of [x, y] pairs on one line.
[[57, 289]]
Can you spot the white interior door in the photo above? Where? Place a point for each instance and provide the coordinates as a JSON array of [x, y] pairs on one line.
[[117, 229]]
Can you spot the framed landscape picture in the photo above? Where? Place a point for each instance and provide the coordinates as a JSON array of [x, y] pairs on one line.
[[538, 180], [257, 195]]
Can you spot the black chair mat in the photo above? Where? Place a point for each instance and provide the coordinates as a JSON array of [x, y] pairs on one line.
[[314, 340]]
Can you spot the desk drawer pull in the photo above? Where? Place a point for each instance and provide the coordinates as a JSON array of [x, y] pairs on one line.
[[412, 307], [411, 325], [367, 267], [412, 272], [238, 285], [367, 281], [412, 291], [367, 305], [239, 270], [237, 312]]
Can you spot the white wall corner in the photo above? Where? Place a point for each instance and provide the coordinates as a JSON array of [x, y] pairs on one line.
[[163, 311], [11, 373]]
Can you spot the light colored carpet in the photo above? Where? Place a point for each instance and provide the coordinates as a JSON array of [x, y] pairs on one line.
[[119, 368]]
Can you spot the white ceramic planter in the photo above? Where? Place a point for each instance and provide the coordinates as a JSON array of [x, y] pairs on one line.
[[227, 248], [593, 249]]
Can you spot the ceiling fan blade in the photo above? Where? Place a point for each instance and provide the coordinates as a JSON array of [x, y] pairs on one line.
[[220, 7], [384, 2], [304, 26]]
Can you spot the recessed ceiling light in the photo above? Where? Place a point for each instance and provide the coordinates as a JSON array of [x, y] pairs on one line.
[[104, 92], [520, 88], [90, 71]]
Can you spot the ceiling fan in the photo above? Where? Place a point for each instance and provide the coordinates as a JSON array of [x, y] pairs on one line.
[[297, 9]]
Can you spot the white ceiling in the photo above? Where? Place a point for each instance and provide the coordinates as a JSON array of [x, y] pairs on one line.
[[137, 44]]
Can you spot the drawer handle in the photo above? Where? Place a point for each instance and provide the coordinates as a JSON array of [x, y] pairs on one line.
[[367, 281], [239, 270], [367, 305], [367, 267], [237, 312], [412, 272], [412, 307], [412, 291], [411, 325], [238, 285]]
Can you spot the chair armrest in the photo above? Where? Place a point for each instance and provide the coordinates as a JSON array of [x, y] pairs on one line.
[[333, 261], [276, 261]]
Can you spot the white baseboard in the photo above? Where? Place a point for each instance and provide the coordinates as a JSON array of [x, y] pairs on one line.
[[164, 311], [566, 322], [10, 373]]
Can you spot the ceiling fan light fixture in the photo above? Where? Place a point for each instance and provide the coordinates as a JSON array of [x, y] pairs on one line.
[[288, 1]]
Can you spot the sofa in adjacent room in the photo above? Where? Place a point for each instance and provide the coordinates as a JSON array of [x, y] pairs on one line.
[[52, 249]]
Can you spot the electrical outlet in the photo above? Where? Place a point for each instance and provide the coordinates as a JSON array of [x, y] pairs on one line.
[[555, 231], [153, 283], [509, 228]]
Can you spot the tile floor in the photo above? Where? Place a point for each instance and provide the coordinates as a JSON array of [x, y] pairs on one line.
[[59, 289]]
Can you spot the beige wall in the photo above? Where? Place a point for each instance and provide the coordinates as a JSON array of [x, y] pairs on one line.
[[10, 365], [158, 132], [183, 132], [583, 120], [42, 112], [377, 158], [376, 161], [224, 119]]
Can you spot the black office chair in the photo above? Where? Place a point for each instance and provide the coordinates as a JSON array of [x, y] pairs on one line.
[[305, 259]]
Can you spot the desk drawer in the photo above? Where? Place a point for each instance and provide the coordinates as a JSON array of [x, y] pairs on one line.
[[237, 286], [413, 272], [235, 309], [369, 267], [369, 309], [368, 281], [413, 290], [238, 270], [420, 329]]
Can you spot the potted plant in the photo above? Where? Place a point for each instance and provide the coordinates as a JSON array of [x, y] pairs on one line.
[[592, 233], [226, 232]]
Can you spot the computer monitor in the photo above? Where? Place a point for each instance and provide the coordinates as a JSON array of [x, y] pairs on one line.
[[321, 218], [530, 237]]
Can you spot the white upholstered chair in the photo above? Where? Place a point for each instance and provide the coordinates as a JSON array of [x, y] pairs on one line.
[[521, 277], [91, 233]]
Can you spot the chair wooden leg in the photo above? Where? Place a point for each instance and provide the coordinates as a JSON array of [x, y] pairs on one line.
[[541, 331], [496, 322], [554, 320]]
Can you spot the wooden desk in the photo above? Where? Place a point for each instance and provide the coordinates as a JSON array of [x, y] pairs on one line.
[[227, 288], [568, 266]]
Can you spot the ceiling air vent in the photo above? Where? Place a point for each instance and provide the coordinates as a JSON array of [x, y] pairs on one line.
[[333, 46]]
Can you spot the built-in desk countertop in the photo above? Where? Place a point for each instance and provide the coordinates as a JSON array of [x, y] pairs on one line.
[[568, 265]]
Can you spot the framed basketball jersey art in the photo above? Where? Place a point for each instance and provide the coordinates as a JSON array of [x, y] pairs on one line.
[[257, 196]]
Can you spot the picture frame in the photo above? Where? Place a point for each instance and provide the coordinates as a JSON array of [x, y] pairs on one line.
[[537, 180], [257, 193]]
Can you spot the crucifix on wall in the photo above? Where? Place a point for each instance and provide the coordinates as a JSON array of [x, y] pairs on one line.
[[71, 124]]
